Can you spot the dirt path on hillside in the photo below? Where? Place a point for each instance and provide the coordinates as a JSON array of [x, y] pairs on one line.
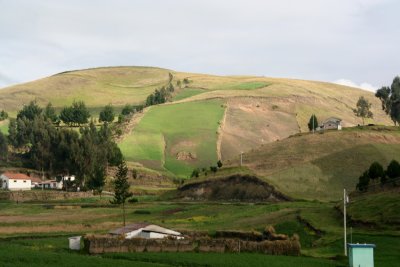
[[128, 127], [221, 132]]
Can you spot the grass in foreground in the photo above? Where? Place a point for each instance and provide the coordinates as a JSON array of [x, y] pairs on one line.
[[54, 252]]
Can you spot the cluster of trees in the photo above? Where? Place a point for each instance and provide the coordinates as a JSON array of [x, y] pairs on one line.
[[76, 114], [185, 82], [196, 172], [3, 115], [160, 95], [56, 150], [377, 173], [390, 98]]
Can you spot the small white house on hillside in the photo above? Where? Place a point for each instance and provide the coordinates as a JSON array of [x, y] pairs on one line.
[[15, 181], [144, 230]]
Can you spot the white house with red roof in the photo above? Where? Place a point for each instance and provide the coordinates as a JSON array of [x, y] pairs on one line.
[[15, 181]]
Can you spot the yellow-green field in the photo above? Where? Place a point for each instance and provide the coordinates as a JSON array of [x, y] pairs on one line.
[[4, 126], [176, 138]]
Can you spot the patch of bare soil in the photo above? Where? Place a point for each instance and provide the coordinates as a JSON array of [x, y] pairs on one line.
[[232, 188], [186, 156], [251, 122], [128, 127]]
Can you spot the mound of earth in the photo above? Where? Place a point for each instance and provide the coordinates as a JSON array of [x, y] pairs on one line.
[[184, 155], [232, 188]]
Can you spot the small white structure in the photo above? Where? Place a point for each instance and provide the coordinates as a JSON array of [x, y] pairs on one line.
[[15, 181], [48, 184], [62, 181], [74, 242], [144, 230]]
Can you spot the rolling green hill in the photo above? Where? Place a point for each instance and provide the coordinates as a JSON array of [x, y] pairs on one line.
[[208, 118], [319, 166]]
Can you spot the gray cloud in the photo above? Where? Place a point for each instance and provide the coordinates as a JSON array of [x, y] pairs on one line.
[[311, 39]]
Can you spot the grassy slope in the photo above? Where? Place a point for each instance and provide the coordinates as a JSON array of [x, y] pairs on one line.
[[319, 166], [97, 87], [4, 126], [167, 130], [259, 110]]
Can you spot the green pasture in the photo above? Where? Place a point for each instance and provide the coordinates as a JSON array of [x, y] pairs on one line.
[[242, 85], [57, 220], [4, 126], [167, 130], [186, 93], [53, 251]]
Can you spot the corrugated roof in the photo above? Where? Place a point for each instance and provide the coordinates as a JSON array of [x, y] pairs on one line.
[[159, 229], [128, 228], [145, 228], [17, 176]]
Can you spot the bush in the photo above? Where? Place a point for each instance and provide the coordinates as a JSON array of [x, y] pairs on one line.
[[133, 200], [142, 212]]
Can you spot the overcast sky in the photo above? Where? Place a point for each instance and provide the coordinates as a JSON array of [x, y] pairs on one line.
[[349, 41]]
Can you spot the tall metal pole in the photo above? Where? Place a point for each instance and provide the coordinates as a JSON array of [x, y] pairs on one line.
[[344, 222], [241, 159]]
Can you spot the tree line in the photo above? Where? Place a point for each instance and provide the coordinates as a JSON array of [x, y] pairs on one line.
[[376, 174], [43, 146], [390, 99]]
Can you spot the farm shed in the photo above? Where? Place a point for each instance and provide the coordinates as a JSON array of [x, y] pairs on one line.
[[145, 230], [15, 181], [361, 255], [332, 123]]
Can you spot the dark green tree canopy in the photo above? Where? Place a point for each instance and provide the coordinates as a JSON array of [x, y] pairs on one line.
[[3, 147], [127, 109], [376, 171], [107, 114], [313, 122], [50, 113], [3, 115], [30, 111], [393, 170], [363, 109], [121, 185], [363, 182], [76, 114], [390, 99]]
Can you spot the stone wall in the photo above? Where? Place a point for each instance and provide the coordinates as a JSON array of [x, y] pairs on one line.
[[39, 195], [96, 244]]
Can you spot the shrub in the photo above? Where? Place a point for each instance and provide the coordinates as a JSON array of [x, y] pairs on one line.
[[142, 212], [133, 200]]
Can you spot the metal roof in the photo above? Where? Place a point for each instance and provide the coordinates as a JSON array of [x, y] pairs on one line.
[[361, 245], [145, 227]]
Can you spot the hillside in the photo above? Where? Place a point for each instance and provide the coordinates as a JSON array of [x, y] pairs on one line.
[[208, 118], [319, 166]]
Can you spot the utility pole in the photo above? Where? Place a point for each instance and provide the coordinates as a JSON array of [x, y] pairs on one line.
[[344, 221], [241, 159]]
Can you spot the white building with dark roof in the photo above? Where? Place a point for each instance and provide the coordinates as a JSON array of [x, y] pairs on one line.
[[145, 230]]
